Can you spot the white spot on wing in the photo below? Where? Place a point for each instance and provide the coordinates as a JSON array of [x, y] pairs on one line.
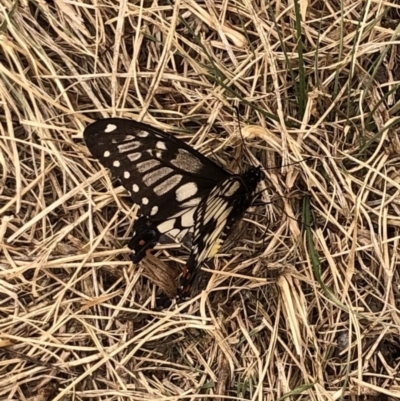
[[145, 201], [134, 156], [156, 175], [223, 218], [127, 174], [222, 215], [147, 165], [187, 162], [117, 163], [215, 208], [166, 226], [107, 153], [143, 134], [135, 188], [167, 185], [191, 203], [174, 233], [186, 191], [110, 128], [232, 189], [154, 210], [161, 145], [187, 220], [127, 147]]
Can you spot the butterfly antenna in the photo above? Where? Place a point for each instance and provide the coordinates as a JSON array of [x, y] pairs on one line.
[[300, 220], [303, 224], [251, 156], [244, 146]]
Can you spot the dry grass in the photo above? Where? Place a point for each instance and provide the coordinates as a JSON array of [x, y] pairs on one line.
[[303, 311]]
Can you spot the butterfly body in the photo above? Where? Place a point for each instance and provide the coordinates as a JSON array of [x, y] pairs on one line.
[[178, 189]]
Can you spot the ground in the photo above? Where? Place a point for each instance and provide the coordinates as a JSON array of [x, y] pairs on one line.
[[303, 301]]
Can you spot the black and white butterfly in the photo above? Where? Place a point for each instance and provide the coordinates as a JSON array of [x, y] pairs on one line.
[[178, 189]]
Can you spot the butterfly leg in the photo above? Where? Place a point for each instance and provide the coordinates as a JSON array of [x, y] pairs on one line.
[[186, 280], [144, 239]]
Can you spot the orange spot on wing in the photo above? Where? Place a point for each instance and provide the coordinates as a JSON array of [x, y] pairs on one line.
[[215, 248]]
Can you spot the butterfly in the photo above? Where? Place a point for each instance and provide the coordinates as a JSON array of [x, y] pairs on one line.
[[178, 190]]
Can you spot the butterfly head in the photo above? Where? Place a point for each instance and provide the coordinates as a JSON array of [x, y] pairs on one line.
[[252, 177]]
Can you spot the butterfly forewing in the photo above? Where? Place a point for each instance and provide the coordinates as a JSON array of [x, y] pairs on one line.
[[163, 174]]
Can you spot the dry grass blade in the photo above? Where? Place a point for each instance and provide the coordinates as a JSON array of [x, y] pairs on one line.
[[304, 304]]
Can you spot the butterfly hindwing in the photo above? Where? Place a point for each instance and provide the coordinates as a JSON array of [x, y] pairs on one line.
[[214, 218]]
